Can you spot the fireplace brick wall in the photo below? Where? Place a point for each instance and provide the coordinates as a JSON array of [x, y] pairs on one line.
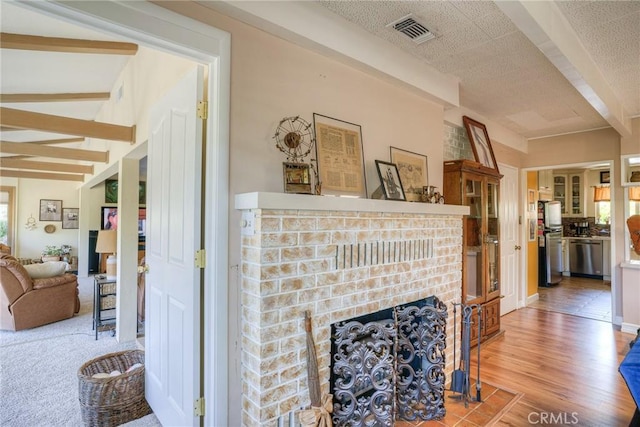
[[293, 262]]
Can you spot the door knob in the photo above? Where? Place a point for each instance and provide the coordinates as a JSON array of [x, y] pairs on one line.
[[518, 248]]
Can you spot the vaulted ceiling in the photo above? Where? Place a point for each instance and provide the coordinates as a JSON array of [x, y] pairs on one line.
[[55, 79]]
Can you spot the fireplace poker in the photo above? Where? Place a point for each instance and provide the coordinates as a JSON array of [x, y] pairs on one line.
[[478, 384], [312, 364]]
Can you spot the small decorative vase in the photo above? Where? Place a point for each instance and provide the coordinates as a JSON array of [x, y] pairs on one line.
[[635, 176]]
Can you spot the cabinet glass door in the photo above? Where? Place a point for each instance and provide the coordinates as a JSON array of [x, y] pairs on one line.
[[560, 191], [492, 240], [576, 194], [474, 283]]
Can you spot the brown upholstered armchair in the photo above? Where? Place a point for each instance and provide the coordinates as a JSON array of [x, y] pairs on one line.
[[27, 303]]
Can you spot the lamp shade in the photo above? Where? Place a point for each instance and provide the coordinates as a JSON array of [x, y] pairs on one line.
[[106, 243], [600, 194], [634, 194]]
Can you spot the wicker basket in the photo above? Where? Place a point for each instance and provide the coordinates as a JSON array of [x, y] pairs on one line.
[[115, 400]]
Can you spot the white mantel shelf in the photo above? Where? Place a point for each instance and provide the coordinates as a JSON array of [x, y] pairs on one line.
[[262, 200]]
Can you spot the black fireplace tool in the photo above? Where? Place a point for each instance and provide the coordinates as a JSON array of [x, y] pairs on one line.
[[457, 377], [460, 382]]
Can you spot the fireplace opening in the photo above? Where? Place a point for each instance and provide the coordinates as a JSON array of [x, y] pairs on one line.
[[389, 365]]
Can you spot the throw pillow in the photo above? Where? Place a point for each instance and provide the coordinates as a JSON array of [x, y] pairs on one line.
[[46, 269]]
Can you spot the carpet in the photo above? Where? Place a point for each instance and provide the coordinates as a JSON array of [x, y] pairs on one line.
[[39, 368], [496, 402]]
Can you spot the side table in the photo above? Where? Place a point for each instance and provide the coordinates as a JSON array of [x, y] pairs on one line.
[[104, 303]]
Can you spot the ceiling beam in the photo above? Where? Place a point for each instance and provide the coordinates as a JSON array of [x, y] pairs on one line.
[[54, 97], [57, 124], [59, 44], [55, 152], [5, 173], [51, 141], [548, 29], [44, 166]]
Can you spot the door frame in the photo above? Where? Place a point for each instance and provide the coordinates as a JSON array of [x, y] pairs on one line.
[[161, 29]]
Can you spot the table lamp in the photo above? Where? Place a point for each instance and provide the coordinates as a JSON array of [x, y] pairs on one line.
[[107, 244]]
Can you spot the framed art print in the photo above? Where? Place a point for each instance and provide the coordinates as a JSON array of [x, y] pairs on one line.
[[480, 143], [50, 210], [340, 157], [70, 217], [412, 168], [390, 180]]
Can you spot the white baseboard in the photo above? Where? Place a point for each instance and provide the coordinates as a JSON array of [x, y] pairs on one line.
[[629, 328], [533, 298]]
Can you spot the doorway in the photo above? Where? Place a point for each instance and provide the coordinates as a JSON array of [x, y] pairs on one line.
[[586, 288], [158, 28]]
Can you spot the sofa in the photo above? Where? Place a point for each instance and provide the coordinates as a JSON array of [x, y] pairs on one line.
[[27, 302]]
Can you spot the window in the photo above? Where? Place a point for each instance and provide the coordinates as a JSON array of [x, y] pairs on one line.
[[603, 212], [6, 215]]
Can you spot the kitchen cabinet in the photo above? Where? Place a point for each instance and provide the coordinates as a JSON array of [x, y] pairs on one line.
[[568, 189], [469, 183], [545, 184]]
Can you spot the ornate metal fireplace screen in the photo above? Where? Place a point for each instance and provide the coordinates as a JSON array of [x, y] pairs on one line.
[[389, 365]]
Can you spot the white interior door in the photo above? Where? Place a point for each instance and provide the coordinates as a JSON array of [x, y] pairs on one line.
[[172, 335], [509, 239]]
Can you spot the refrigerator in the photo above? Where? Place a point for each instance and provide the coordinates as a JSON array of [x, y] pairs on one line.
[[549, 243]]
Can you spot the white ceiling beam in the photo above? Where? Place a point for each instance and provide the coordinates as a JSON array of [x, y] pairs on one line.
[[59, 44], [312, 26], [55, 152], [8, 173], [11, 163], [548, 29], [19, 119], [54, 97]]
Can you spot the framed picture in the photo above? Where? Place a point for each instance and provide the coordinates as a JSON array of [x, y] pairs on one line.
[[142, 222], [605, 177], [413, 171], [297, 178], [50, 210], [480, 143], [390, 180], [531, 200], [340, 157], [109, 218], [70, 217], [533, 229], [111, 191]]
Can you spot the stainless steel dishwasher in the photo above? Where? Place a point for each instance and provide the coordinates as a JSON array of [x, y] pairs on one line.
[[585, 257]]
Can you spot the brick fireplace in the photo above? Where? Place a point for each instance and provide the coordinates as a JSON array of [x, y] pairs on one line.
[[338, 258]]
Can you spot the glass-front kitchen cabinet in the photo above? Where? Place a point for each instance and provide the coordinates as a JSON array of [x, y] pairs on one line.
[[568, 190], [469, 183]]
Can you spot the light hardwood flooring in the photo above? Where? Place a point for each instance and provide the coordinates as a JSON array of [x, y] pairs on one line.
[[565, 366], [590, 298]]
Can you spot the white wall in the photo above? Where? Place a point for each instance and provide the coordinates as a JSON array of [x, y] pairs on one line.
[[29, 192]]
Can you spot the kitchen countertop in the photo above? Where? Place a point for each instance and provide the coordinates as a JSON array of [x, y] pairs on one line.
[[588, 238]]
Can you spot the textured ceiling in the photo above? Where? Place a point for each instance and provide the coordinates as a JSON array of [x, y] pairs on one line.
[[503, 75]]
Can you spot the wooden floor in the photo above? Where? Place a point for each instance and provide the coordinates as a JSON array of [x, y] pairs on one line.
[[578, 296], [565, 366]]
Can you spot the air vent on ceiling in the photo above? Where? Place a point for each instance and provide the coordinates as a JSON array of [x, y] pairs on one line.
[[411, 28]]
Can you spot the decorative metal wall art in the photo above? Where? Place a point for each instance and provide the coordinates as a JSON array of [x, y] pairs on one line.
[[389, 365], [294, 137]]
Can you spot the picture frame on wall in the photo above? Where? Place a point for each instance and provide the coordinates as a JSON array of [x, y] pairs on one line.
[[109, 218], [390, 180], [70, 218], [605, 177], [340, 157], [413, 171], [50, 210], [480, 143]]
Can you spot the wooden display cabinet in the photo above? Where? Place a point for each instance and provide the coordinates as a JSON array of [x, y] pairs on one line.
[[469, 183]]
